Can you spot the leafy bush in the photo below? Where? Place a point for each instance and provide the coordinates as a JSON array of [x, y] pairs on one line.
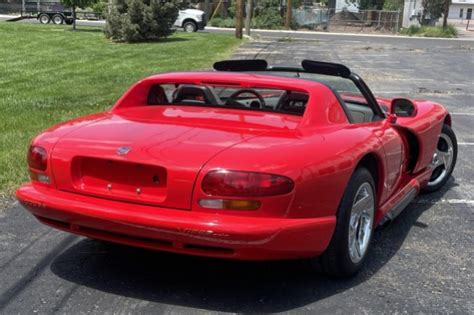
[[430, 31], [268, 19], [220, 22], [141, 21], [393, 5], [411, 30], [100, 8], [267, 15]]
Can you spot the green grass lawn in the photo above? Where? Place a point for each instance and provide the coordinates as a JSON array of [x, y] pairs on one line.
[[49, 74]]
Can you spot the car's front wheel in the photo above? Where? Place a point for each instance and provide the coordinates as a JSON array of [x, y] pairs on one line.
[[190, 27], [350, 243], [444, 160]]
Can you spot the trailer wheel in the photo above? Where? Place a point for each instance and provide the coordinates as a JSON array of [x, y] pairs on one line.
[[44, 19], [58, 19], [69, 21]]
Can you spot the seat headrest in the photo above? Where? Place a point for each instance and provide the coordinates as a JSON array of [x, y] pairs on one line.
[[189, 92]]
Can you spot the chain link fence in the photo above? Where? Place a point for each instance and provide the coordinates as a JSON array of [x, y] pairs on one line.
[[311, 18], [364, 21]]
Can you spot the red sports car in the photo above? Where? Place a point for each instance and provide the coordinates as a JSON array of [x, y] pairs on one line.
[[246, 162]]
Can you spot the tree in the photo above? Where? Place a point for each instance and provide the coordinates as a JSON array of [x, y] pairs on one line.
[[432, 11], [288, 18], [447, 3], [77, 4], [239, 15], [248, 16]]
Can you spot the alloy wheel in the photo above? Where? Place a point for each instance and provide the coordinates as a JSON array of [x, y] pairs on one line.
[[442, 160], [361, 222]]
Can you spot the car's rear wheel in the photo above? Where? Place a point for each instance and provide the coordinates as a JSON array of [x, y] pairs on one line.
[[350, 243], [444, 160], [58, 19], [44, 19], [190, 27]]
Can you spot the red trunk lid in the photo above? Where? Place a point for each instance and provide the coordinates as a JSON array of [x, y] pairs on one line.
[[151, 155]]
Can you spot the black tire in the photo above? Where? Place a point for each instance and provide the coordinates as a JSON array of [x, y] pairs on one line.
[[434, 185], [336, 260], [44, 19], [57, 19], [69, 21], [190, 26]]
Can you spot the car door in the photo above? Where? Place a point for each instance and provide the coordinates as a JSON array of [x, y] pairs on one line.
[[394, 149]]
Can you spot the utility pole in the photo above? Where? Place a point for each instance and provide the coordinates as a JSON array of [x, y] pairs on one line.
[[239, 18], [248, 16], [288, 14]]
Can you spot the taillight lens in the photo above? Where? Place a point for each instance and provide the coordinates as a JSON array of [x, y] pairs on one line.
[[37, 158], [245, 184]]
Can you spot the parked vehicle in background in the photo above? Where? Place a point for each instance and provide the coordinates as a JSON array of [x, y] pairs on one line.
[[57, 17], [191, 20]]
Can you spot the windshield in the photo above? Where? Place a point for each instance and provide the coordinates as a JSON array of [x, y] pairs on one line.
[[229, 96]]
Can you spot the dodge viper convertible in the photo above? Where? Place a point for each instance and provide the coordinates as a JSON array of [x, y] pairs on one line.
[[247, 161]]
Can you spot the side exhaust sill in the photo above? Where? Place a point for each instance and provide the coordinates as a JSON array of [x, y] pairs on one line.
[[398, 208]]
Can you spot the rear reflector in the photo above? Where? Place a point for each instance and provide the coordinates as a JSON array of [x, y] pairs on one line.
[[37, 158], [40, 177], [245, 184], [230, 204]]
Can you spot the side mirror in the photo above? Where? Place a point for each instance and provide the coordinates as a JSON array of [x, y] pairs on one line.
[[402, 107]]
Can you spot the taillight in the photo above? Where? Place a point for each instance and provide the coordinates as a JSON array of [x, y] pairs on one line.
[[245, 184], [37, 158]]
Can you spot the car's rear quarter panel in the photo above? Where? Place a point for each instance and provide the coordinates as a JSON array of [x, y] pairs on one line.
[[320, 161]]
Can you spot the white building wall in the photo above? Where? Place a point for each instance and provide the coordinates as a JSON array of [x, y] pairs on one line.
[[455, 9], [410, 9], [413, 7]]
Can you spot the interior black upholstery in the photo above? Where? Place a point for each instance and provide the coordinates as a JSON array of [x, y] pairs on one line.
[[194, 93], [360, 113], [293, 102], [157, 96]]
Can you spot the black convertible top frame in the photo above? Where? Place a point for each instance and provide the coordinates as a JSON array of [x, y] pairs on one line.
[[307, 66]]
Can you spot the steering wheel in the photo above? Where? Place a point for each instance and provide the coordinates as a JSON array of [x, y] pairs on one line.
[[232, 102]]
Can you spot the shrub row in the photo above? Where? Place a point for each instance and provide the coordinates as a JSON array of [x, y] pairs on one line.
[[430, 31]]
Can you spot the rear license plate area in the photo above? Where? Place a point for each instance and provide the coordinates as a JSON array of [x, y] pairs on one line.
[[119, 179]]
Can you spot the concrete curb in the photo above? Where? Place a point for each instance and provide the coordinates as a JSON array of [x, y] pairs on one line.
[[291, 32]]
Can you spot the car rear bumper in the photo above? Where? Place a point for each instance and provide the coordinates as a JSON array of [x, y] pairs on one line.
[[181, 231]]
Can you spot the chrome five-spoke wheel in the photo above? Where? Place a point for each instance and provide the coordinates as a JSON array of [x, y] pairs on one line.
[[442, 160], [361, 221], [350, 242]]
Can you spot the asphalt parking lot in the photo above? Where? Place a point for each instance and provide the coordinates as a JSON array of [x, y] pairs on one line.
[[421, 263]]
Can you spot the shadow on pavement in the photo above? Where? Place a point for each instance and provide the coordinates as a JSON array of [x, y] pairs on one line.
[[221, 285]]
